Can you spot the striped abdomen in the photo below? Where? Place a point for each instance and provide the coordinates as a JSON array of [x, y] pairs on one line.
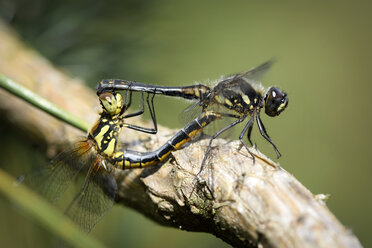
[[130, 159]]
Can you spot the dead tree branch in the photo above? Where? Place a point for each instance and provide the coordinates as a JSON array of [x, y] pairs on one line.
[[244, 204]]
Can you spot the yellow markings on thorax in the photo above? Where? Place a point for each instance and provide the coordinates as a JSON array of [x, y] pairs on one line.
[[110, 148], [228, 102], [246, 99], [100, 136], [105, 137], [239, 105], [219, 99], [110, 134]]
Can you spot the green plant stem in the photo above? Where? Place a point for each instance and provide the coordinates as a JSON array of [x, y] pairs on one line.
[[36, 207], [41, 103]]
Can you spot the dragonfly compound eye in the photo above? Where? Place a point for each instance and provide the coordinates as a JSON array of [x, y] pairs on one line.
[[111, 102], [275, 101]]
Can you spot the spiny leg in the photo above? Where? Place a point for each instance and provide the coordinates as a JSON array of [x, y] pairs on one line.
[[138, 112], [152, 111], [263, 132], [153, 117], [141, 129], [201, 181], [213, 138], [249, 133], [248, 128]]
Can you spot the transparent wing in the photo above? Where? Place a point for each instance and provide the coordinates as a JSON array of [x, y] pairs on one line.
[[190, 113], [53, 180], [258, 72], [255, 73], [96, 197], [195, 109]]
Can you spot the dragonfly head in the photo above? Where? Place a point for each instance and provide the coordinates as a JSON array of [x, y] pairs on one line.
[[275, 101], [111, 102]]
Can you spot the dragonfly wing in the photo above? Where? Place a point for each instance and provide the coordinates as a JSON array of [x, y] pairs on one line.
[[258, 72], [254, 74], [96, 197], [190, 113], [53, 180]]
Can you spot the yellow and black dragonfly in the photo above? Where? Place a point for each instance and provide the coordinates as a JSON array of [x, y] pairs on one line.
[[88, 157], [238, 96], [95, 157]]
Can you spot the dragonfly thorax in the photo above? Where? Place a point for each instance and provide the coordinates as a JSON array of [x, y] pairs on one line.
[[237, 95], [105, 133]]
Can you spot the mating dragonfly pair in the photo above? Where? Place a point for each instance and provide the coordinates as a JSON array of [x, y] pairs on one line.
[[237, 96]]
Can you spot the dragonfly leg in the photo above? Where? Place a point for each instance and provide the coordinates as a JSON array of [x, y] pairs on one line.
[[209, 148], [152, 113], [263, 132], [135, 113], [248, 128]]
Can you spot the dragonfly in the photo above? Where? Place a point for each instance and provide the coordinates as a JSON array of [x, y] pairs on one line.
[[238, 96], [96, 156]]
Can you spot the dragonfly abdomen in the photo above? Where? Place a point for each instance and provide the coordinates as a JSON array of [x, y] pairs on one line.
[[131, 159]]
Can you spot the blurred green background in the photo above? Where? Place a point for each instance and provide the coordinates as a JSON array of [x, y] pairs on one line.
[[323, 53]]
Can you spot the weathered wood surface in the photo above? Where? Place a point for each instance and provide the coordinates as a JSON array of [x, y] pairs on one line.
[[244, 204]]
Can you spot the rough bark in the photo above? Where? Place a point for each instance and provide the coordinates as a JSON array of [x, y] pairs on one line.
[[244, 204]]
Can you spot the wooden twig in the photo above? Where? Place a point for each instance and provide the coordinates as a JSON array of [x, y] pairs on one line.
[[245, 204]]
